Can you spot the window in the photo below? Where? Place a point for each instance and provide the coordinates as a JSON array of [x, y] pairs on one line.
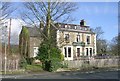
[[78, 38], [88, 39], [69, 51], [94, 51], [66, 37], [65, 26], [86, 51], [78, 52], [35, 51], [75, 27], [90, 51], [69, 26], [65, 49]]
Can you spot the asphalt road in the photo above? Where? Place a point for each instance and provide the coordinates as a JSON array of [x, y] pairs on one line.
[[71, 75]]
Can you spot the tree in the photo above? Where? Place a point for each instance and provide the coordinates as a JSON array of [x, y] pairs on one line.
[[48, 13], [99, 32], [24, 44], [114, 45], [5, 10], [102, 46], [101, 43]]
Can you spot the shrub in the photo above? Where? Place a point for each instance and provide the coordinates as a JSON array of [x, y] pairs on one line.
[[65, 65], [26, 61], [29, 60], [33, 68], [62, 57], [52, 64], [23, 63], [50, 57]]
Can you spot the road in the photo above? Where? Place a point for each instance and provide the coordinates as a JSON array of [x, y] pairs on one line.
[[70, 75]]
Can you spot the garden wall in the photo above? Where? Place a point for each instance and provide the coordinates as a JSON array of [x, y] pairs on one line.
[[112, 62]]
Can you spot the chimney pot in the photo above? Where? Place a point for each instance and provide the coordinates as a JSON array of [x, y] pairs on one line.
[[82, 22]]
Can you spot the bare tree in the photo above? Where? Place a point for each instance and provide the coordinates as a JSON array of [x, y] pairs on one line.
[[102, 45], [114, 45], [99, 32], [47, 12], [5, 10]]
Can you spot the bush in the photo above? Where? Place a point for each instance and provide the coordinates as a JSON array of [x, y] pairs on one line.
[[62, 57], [50, 56], [23, 63], [52, 64], [33, 68], [26, 61], [29, 60], [65, 65]]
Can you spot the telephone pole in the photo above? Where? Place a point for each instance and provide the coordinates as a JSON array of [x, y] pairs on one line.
[[5, 40], [9, 37]]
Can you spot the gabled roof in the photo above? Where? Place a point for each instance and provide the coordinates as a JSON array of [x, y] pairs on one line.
[[33, 31]]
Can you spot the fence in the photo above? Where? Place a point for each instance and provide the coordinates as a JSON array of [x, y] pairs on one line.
[[91, 62], [10, 64]]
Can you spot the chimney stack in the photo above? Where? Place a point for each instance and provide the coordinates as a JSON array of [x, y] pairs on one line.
[[82, 22]]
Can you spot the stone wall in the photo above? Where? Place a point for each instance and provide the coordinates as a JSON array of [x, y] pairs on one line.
[[92, 63]]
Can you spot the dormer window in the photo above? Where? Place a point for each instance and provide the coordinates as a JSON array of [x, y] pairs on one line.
[[65, 26], [75, 27], [68, 26]]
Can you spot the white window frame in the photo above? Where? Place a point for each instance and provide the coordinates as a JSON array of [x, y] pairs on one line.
[[58, 37], [65, 34], [80, 37], [35, 51], [66, 26], [86, 39], [68, 58], [95, 45], [88, 51]]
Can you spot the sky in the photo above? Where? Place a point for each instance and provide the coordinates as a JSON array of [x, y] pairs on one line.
[[96, 14], [99, 14]]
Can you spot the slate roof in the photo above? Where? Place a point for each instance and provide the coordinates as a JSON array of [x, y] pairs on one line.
[[34, 32], [75, 28]]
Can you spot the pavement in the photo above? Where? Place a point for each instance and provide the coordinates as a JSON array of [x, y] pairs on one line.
[[108, 74]]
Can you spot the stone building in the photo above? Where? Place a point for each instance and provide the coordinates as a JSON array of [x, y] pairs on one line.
[[34, 40], [74, 41]]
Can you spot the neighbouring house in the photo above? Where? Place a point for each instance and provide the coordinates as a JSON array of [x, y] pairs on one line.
[[74, 41], [34, 40]]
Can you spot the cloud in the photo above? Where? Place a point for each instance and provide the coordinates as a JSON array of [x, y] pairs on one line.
[[16, 25]]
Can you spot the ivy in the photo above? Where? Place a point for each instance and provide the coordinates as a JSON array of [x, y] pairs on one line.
[[24, 43]]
